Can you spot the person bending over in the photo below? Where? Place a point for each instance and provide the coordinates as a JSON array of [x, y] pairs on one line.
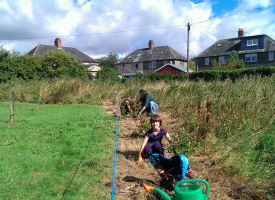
[[148, 103]]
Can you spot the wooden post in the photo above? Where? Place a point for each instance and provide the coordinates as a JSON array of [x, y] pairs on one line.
[[208, 105], [11, 115], [199, 109], [199, 121]]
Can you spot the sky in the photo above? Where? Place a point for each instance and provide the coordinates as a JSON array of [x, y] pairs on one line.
[[101, 27]]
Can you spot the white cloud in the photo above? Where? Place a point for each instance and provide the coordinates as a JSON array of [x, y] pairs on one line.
[[64, 25], [251, 4], [101, 27], [25, 7], [5, 7]]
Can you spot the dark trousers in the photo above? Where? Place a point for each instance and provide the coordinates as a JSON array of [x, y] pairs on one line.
[[151, 148]]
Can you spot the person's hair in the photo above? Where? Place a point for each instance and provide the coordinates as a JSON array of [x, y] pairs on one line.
[[156, 118], [142, 99], [144, 92]]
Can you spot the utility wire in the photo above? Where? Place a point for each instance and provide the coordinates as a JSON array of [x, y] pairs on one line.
[[173, 36], [204, 34], [213, 28], [87, 34], [262, 8], [143, 29]]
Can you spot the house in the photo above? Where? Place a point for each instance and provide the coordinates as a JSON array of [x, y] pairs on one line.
[[93, 69], [148, 59], [80, 56], [257, 50], [173, 69]]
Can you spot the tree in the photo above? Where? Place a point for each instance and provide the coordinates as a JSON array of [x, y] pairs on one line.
[[232, 63], [7, 66], [29, 67], [59, 63], [192, 65], [108, 61]]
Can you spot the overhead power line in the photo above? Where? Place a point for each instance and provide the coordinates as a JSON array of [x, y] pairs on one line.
[[111, 32], [142, 29], [262, 8]]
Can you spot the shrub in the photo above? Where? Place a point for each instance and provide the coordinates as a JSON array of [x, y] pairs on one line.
[[61, 64], [107, 74]]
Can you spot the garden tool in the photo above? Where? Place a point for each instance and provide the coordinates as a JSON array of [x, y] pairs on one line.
[[183, 191]]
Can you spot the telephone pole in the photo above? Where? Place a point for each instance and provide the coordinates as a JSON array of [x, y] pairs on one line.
[[188, 30]]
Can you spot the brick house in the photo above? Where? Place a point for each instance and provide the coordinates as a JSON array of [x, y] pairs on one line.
[[149, 59], [257, 50], [80, 56], [173, 69]]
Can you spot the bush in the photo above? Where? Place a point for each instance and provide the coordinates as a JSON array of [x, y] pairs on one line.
[[61, 64], [54, 64], [107, 74], [212, 75]]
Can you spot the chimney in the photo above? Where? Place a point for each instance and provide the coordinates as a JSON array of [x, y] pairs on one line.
[[240, 33], [57, 43], [151, 44]]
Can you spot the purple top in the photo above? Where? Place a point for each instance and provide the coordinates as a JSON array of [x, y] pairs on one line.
[[155, 138]]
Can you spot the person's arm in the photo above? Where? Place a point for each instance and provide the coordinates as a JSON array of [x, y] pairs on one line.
[[168, 137], [145, 140], [142, 109], [128, 105], [146, 104]]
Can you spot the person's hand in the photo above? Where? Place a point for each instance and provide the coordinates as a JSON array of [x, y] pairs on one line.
[[140, 160]]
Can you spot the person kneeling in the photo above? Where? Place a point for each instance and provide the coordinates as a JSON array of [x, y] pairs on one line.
[[152, 142]]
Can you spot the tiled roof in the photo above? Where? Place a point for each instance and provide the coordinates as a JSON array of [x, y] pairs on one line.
[[226, 46], [80, 56], [157, 53]]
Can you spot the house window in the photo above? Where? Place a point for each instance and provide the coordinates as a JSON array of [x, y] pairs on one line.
[[251, 57], [152, 64], [206, 61], [270, 56], [123, 66], [165, 62], [134, 66], [252, 42], [223, 59]]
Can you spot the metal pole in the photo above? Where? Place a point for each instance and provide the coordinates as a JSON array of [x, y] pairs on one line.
[[188, 30], [114, 166]]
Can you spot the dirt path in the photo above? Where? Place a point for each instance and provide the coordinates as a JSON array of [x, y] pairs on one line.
[[130, 176]]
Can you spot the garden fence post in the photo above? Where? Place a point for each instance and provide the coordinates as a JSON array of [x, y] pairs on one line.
[[11, 114]]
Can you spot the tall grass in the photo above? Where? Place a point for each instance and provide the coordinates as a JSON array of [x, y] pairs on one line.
[[55, 152], [232, 121]]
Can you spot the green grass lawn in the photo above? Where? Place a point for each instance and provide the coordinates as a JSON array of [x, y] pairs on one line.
[[56, 152]]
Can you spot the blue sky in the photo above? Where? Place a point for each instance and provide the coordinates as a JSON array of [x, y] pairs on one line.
[[98, 27], [220, 7]]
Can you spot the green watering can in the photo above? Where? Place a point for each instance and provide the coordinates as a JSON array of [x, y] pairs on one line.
[[185, 192]]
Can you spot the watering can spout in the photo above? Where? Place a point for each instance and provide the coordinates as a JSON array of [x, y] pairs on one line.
[[162, 193], [147, 187]]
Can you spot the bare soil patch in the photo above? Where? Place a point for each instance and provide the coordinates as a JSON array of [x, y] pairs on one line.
[[130, 175]]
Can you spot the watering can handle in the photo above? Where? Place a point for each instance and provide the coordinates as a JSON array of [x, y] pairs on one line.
[[192, 181]]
